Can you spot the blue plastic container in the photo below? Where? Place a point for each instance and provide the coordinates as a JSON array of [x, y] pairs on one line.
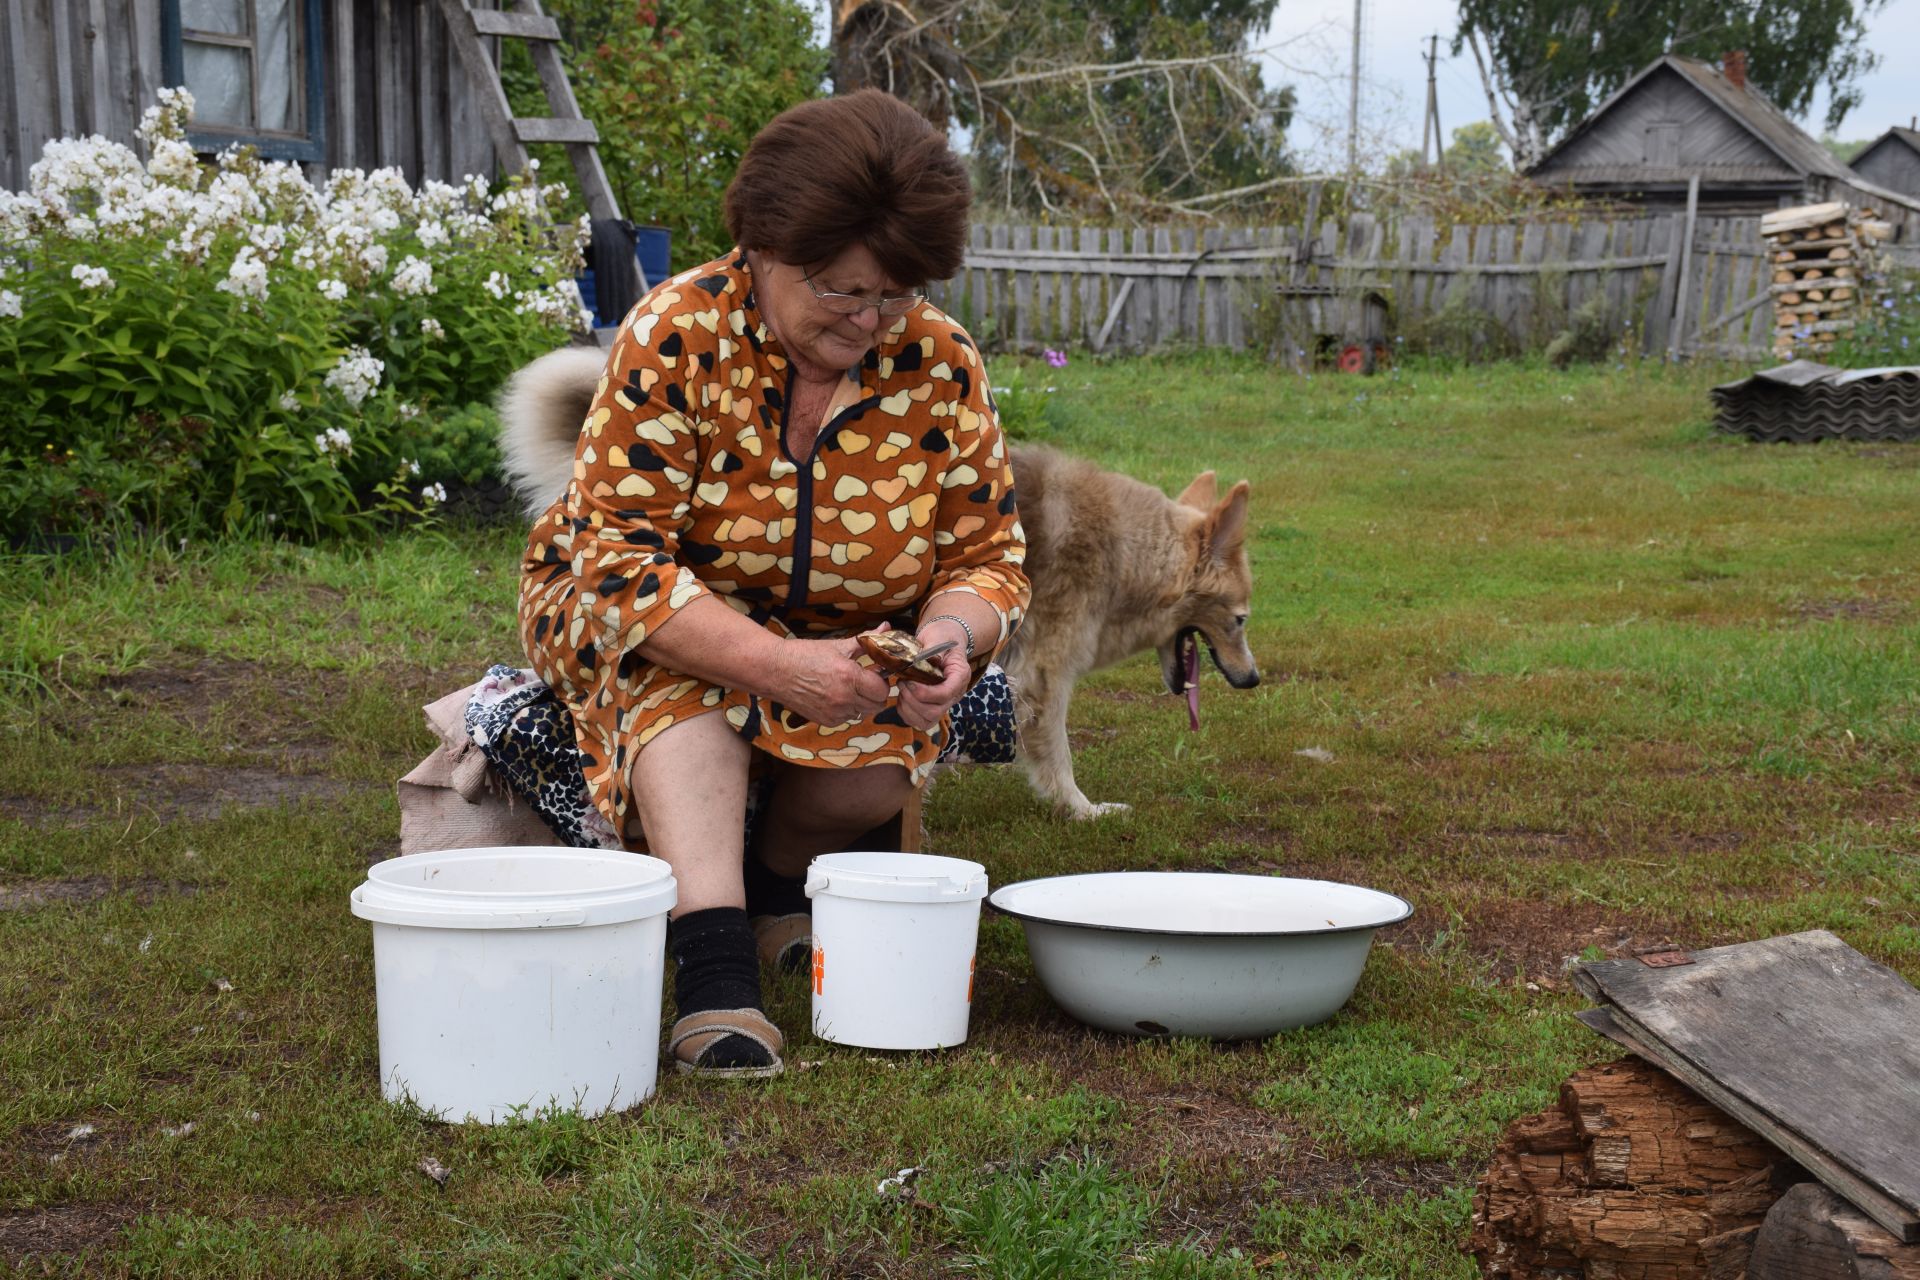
[[653, 247]]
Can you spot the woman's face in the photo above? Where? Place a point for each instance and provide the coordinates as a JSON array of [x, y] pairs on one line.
[[822, 341]]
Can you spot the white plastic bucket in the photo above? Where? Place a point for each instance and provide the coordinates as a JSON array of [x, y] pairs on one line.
[[518, 979], [893, 943]]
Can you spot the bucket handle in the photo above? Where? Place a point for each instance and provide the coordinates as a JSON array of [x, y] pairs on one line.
[[819, 882], [382, 914]]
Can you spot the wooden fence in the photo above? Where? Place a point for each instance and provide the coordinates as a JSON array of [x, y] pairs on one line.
[[1509, 286]]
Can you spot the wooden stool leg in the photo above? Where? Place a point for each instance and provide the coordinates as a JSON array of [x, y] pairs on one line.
[[910, 835]]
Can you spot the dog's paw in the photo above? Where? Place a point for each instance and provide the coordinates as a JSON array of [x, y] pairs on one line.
[[1090, 810]]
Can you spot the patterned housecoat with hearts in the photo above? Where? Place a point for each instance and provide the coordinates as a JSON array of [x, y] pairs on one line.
[[683, 487]]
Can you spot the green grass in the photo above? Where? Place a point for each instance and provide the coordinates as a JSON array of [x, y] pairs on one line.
[[1592, 678]]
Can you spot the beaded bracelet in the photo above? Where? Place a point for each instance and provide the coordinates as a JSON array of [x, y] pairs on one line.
[[958, 621]]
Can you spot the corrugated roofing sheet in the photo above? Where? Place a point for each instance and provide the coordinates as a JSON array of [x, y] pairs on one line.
[[1805, 401]]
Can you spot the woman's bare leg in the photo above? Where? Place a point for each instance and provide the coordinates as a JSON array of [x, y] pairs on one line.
[[690, 786]]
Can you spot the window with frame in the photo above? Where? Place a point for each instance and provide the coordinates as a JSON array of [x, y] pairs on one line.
[[253, 67]]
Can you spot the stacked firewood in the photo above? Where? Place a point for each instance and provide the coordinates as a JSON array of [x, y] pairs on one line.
[[1822, 256]]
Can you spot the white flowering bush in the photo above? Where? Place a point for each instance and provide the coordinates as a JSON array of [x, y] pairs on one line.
[[203, 346]]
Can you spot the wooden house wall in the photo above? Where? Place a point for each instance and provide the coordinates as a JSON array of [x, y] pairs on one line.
[[1893, 165], [393, 88], [1707, 136]]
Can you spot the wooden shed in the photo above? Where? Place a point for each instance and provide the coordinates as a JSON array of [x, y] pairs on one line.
[[332, 83], [1892, 161], [1681, 118]]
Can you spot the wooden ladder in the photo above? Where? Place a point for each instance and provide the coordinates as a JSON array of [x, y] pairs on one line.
[[468, 28]]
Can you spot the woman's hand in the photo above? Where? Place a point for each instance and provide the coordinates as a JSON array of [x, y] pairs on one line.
[[922, 705], [820, 680]]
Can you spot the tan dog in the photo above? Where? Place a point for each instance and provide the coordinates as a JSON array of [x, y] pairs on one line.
[[1117, 566]]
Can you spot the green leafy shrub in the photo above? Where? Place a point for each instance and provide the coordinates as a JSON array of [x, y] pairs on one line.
[[457, 448], [220, 348], [678, 93], [1890, 333], [1024, 405]]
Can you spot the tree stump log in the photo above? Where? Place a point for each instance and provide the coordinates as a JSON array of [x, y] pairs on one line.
[[1629, 1177], [1812, 1234]]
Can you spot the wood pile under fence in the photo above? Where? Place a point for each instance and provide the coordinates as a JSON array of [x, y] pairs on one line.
[[1667, 283]]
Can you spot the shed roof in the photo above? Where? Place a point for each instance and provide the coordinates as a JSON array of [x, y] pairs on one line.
[[1899, 135], [1800, 156]]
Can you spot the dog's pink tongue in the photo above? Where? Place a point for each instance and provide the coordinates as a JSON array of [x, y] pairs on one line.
[[1191, 663]]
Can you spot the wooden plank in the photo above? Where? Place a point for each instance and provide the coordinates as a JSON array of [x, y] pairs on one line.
[[1684, 304], [1533, 251], [1659, 321], [1804, 1040], [517, 26], [1188, 299], [1113, 315], [537, 129], [1023, 293], [429, 96], [340, 92], [1044, 280], [1092, 302], [483, 80], [1142, 317], [103, 91], [1212, 295], [1003, 290], [63, 59], [1241, 336], [1166, 291], [1589, 245]]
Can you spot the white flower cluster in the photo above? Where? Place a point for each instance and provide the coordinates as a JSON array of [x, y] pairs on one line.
[[432, 328], [256, 220], [333, 440], [558, 303], [434, 494], [246, 278], [414, 279], [357, 376], [10, 306]]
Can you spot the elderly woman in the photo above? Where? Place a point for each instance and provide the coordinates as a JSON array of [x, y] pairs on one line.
[[789, 446]]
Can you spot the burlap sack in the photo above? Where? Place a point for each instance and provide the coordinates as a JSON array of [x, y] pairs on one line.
[[452, 800]]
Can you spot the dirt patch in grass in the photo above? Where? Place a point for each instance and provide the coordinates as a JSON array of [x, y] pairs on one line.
[[179, 792], [67, 1228], [1538, 939], [1851, 609], [25, 895]]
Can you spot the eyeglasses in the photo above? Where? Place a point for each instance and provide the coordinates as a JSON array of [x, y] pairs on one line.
[[848, 304]]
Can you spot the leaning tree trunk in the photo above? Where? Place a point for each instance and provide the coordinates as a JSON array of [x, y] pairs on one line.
[[1631, 1176]]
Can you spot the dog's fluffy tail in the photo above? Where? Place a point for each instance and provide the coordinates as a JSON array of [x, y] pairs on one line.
[[541, 409]]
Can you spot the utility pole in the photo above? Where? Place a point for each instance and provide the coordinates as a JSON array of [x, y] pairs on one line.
[[1353, 96], [1431, 122]]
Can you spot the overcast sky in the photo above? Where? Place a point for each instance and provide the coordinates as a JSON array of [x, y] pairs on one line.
[[1315, 44]]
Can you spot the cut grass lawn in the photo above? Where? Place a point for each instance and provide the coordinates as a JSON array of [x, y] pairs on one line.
[[1591, 678]]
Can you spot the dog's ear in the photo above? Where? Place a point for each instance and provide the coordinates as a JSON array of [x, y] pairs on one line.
[[1201, 494], [1227, 524]]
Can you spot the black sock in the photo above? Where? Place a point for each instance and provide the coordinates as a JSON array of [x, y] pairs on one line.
[[771, 894], [715, 967]]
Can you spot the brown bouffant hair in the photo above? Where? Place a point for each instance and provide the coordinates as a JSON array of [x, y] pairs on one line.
[[863, 169]]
